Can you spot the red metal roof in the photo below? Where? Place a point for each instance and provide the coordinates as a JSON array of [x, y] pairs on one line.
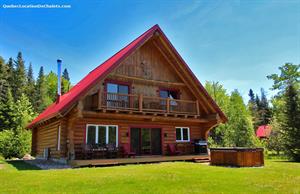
[[263, 131], [67, 100]]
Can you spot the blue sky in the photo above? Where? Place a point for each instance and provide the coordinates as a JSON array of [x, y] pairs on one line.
[[236, 43]]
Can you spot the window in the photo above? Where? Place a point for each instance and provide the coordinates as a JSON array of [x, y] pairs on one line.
[[58, 138], [117, 88], [172, 94], [102, 134], [114, 99], [182, 134]]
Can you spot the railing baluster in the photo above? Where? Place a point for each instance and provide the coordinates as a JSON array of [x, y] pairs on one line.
[[141, 102], [168, 105]]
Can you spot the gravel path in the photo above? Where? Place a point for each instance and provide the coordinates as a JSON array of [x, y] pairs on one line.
[[47, 164]]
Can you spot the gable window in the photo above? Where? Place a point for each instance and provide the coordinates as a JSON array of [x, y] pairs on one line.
[[117, 95], [182, 134], [58, 138], [102, 134], [169, 93]]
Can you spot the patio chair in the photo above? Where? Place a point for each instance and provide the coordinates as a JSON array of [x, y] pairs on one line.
[[87, 151], [112, 151], [125, 152], [173, 150]]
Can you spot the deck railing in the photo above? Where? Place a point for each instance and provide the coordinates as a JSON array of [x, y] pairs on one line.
[[139, 102]]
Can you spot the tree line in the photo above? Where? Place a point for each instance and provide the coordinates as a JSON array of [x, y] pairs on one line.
[[22, 98], [281, 112]]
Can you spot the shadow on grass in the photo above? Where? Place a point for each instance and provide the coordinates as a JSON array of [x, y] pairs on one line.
[[21, 165], [286, 161]]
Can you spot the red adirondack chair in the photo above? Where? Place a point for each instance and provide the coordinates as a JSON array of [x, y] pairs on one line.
[[126, 152], [173, 150]]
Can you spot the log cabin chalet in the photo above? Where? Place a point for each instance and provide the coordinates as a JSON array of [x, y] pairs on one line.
[[142, 101]]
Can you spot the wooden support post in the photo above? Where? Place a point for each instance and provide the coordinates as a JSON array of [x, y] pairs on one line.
[[141, 102], [168, 105], [99, 99], [197, 107]]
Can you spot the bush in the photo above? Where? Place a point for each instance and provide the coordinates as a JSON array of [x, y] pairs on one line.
[[15, 144]]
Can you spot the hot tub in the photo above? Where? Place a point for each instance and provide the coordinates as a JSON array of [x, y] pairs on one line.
[[240, 157]]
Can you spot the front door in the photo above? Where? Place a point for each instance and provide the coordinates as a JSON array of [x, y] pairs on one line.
[[145, 141]]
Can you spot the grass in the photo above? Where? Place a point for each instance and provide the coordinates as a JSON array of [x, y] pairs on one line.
[[177, 177]]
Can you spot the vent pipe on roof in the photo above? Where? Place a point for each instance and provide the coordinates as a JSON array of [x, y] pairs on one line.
[[58, 80]]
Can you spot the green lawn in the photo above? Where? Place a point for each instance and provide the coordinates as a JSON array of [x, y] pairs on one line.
[[177, 177]]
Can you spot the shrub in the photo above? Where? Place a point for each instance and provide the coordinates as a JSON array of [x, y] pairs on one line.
[[15, 144]]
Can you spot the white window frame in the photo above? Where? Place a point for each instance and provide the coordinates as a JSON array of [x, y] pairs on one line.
[[106, 132], [58, 137], [181, 134]]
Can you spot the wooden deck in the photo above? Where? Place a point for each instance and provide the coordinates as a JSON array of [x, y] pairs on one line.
[[138, 160]]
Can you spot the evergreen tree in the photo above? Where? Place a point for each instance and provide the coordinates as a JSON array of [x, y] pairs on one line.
[[291, 124], [264, 111], [286, 107], [66, 74], [10, 72], [252, 105], [3, 80], [251, 96], [65, 87], [30, 89], [42, 100], [20, 80], [8, 113]]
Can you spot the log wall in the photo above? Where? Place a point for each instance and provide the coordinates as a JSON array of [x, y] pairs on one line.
[[45, 136], [168, 133]]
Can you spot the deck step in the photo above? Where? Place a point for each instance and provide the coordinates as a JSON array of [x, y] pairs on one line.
[[201, 160]]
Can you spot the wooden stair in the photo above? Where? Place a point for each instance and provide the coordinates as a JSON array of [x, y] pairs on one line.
[[201, 160]]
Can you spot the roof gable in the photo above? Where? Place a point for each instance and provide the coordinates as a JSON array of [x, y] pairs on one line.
[[68, 99]]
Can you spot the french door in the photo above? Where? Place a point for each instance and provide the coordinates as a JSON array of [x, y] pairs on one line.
[[145, 141]]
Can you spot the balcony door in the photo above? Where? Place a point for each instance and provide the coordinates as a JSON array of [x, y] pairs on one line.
[[117, 95], [145, 141]]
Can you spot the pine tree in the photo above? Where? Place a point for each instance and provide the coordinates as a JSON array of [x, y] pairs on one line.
[[291, 124], [8, 113], [3, 80], [252, 105], [10, 72], [65, 86], [30, 89], [42, 99], [20, 80], [66, 74], [264, 111], [251, 96], [286, 107]]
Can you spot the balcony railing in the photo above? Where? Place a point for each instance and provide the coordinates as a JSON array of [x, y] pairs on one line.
[[141, 103]]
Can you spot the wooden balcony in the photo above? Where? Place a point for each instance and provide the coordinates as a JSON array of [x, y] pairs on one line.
[[148, 104]]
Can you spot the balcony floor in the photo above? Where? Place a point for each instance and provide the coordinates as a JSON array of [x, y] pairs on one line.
[[139, 160]]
